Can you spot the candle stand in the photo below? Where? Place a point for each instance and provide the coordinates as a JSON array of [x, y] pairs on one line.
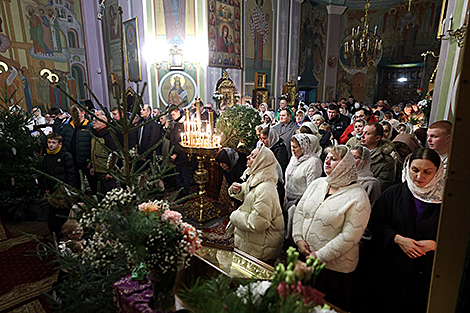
[[202, 210]]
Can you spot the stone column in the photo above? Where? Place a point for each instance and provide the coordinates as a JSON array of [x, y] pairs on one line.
[[294, 39], [282, 36], [333, 42]]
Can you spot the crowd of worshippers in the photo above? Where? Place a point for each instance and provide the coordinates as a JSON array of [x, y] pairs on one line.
[[357, 187], [354, 186]]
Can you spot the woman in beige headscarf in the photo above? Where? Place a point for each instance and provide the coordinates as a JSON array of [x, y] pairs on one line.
[[329, 221], [258, 223]]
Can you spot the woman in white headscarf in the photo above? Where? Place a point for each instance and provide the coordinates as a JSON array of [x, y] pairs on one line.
[[404, 225], [269, 119], [270, 139], [304, 167], [258, 224], [329, 221], [311, 130], [364, 175]]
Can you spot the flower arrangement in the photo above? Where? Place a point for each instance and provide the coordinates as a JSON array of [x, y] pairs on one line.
[[148, 233], [217, 97], [236, 126], [291, 290], [284, 96], [425, 107]]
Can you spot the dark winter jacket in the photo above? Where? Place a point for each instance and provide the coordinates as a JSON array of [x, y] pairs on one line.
[[382, 164], [398, 282], [99, 154], [80, 135], [280, 152], [148, 136], [339, 125], [60, 166], [175, 137]]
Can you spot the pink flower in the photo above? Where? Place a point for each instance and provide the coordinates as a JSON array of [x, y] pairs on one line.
[[148, 207], [190, 237], [308, 294], [172, 216]]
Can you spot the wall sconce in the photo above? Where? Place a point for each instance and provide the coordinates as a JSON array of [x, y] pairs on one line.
[[459, 34]]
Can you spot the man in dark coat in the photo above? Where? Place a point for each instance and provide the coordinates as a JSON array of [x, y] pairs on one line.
[[149, 134], [179, 157], [338, 122], [77, 139]]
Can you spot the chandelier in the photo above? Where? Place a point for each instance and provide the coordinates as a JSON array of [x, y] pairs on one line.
[[362, 43]]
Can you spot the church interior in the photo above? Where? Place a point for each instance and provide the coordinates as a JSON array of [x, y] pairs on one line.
[[186, 56]]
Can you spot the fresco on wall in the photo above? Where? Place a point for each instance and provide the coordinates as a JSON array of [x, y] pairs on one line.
[[406, 31], [42, 50], [225, 21], [312, 45], [259, 40], [112, 42]]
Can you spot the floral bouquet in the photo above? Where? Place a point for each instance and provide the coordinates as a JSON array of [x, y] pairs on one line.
[[149, 234], [291, 290], [425, 107], [284, 96]]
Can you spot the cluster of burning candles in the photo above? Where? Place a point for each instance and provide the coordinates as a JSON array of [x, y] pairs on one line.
[[194, 135]]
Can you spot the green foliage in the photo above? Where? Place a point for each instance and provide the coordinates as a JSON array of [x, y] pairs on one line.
[[237, 128], [221, 294], [18, 154]]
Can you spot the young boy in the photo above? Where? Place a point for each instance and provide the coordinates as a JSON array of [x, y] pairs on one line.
[[58, 163]]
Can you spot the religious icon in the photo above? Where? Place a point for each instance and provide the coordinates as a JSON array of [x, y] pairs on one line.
[[177, 94]]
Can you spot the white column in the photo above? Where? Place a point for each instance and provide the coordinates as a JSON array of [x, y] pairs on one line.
[[294, 39], [282, 34], [333, 42]]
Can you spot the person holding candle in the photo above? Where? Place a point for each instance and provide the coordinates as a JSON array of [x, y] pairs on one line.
[[258, 224], [179, 158]]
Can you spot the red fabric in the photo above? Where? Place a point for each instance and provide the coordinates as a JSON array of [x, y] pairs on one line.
[[345, 136], [17, 268]]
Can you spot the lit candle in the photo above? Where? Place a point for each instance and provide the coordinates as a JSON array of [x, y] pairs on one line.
[[346, 47], [352, 45], [375, 30], [211, 120], [443, 31], [451, 19], [198, 111]]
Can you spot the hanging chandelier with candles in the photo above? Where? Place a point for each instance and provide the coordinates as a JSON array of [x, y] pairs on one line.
[[363, 43]]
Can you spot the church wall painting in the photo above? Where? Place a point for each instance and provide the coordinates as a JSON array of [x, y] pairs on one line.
[[112, 43], [177, 87], [38, 52], [406, 31], [131, 42], [259, 43], [312, 48], [225, 32]]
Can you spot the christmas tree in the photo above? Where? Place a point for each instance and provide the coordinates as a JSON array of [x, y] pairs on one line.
[[19, 155]]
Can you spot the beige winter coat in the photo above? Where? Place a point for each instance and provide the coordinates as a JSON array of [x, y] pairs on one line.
[[332, 227], [258, 222]]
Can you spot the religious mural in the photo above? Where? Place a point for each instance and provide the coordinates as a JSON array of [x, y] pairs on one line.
[[225, 33], [312, 49], [177, 87], [42, 51], [112, 42], [407, 30]]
